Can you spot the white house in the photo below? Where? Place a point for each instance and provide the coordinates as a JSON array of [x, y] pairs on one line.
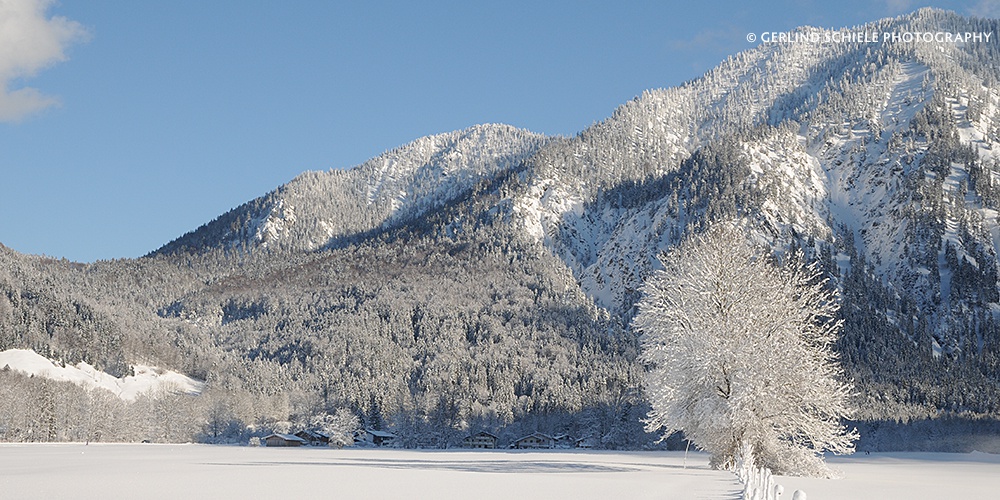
[[535, 441], [480, 440]]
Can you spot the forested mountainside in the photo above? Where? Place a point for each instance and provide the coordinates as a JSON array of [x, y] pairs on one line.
[[879, 158], [487, 278], [317, 208]]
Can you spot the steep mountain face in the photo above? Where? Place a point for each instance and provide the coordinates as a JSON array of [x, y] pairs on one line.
[[890, 145], [316, 208], [877, 158], [488, 277]]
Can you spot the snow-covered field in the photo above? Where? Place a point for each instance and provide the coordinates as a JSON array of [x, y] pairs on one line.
[[200, 471]]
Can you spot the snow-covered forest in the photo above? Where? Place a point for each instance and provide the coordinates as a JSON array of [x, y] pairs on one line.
[[487, 279]]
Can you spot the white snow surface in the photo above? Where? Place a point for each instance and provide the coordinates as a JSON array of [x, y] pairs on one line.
[[146, 378], [30, 471]]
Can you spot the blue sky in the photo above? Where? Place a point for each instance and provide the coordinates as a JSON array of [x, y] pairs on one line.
[[143, 120]]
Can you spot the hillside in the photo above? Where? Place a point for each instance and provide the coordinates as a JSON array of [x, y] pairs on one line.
[[393, 188], [486, 278]]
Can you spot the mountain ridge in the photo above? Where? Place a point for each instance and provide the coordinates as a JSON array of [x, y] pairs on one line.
[[391, 188], [486, 278]]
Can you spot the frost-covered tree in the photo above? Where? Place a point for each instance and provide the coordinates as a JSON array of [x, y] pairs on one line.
[[340, 426], [740, 355]]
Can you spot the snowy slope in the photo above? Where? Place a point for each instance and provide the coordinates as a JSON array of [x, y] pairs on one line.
[[146, 378], [828, 142], [397, 186], [813, 142], [820, 142]]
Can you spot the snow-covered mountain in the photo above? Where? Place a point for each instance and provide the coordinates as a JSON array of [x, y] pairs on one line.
[[821, 140], [891, 145], [878, 157], [488, 277], [394, 187]]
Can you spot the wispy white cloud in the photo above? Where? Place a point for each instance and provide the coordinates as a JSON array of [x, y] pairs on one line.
[[986, 8], [30, 41]]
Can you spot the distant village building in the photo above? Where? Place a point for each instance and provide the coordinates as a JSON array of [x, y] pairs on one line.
[[480, 440], [374, 437], [284, 440], [535, 441], [586, 443], [313, 438], [563, 441]]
